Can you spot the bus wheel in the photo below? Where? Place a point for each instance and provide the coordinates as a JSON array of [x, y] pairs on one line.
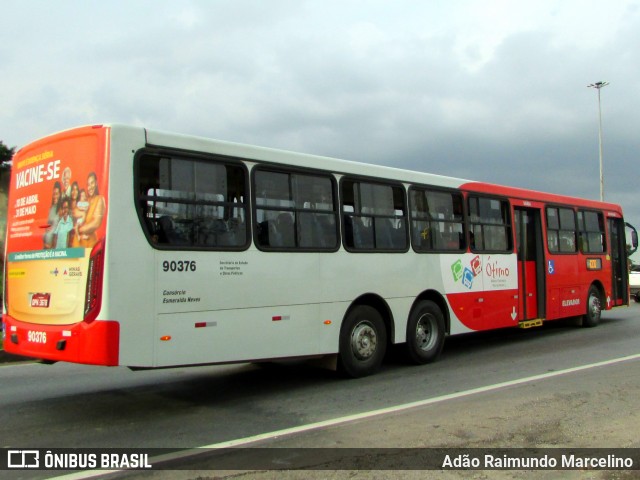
[[363, 342], [425, 333], [594, 308]]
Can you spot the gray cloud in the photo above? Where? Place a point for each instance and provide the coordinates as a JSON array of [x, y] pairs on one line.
[[455, 89]]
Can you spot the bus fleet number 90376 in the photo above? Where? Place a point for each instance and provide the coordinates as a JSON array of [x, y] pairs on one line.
[[179, 266]]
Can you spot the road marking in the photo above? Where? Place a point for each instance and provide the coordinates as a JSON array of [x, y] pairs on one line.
[[182, 454]]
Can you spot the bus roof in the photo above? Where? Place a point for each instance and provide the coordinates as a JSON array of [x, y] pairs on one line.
[[276, 156], [340, 166]]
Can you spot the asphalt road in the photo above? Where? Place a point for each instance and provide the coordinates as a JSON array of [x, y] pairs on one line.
[[64, 405]]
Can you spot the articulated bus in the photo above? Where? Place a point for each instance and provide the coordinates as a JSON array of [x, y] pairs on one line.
[[127, 246]]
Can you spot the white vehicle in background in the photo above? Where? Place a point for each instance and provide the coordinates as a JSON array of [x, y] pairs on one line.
[[634, 282]]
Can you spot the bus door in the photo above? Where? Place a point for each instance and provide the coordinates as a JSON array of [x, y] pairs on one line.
[[620, 276], [530, 263]]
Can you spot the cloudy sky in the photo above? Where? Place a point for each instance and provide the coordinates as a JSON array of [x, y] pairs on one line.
[[487, 90]]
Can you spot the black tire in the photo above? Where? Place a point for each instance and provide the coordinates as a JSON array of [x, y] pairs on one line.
[[363, 342], [425, 333], [636, 297], [594, 308]]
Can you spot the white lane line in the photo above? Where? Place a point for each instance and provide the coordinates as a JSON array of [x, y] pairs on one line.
[[182, 454]]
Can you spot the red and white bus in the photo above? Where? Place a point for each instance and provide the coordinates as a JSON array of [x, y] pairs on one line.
[[134, 247]]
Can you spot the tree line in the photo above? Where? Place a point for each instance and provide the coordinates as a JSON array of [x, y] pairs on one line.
[[6, 154]]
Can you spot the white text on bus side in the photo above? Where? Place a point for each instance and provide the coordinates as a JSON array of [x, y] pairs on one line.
[[38, 174]]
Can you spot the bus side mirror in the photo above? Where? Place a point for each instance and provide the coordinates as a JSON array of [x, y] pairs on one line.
[[634, 239]]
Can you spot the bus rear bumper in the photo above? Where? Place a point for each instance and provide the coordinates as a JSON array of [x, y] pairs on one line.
[[95, 343]]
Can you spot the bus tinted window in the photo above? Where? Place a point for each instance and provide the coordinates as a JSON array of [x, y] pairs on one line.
[[436, 220], [561, 230], [374, 216], [295, 211], [191, 203], [490, 224], [591, 226]]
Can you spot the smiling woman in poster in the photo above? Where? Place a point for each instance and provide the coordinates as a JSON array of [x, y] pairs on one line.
[[94, 215], [54, 214]]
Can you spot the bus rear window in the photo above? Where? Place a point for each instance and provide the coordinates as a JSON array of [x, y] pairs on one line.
[[192, 203]]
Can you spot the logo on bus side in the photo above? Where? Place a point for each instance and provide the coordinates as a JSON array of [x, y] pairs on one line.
[[467, 278], [456, 270], [466, 273], [489, 272]]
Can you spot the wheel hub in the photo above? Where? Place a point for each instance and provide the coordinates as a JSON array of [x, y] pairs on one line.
[[424, 332], [364, 341], [594, 306]]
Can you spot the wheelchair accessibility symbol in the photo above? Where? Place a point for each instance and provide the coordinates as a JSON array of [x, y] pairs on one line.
[[551, 267]]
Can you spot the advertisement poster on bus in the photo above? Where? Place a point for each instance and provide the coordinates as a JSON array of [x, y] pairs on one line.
[[56, 215]]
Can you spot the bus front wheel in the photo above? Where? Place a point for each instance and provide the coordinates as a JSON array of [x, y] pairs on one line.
[[425, 333], [594, 308], [363, 342]]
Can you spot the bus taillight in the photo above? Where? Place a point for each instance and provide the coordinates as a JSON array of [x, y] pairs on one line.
[[93, 295]]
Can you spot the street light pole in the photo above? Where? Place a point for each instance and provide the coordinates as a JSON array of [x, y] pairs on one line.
[[598, 86]]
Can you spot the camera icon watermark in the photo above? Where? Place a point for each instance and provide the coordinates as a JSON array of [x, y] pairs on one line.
[[23, 459]]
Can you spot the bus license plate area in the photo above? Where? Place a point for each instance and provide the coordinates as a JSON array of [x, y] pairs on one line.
[[40, 300]]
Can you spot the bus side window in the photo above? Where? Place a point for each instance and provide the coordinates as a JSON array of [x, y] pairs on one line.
[[561, 230], [294, 211], [591, 227], [490, 224], [374, 216], [436, 220], [192, 203]]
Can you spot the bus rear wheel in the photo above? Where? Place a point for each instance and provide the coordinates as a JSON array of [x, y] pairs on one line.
[[594, 308], [425, 333], [363, 342]]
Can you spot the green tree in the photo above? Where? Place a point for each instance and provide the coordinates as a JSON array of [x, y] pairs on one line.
[[6, 154]]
